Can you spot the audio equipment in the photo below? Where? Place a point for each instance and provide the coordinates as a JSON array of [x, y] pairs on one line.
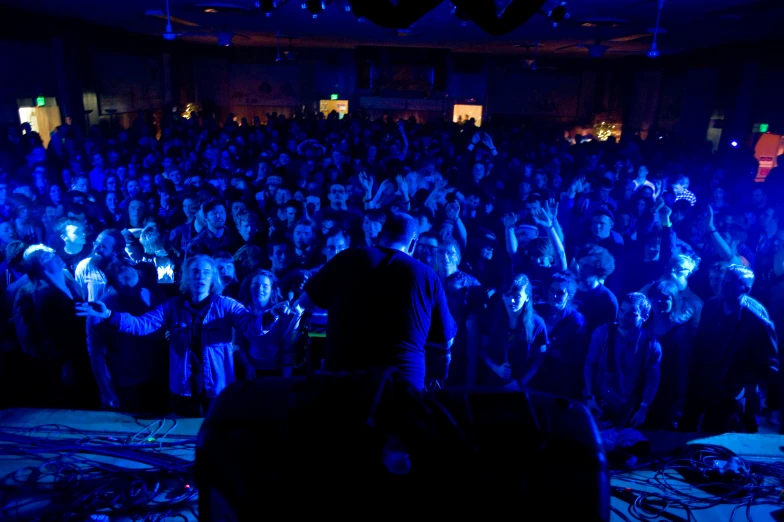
[[361, 445]]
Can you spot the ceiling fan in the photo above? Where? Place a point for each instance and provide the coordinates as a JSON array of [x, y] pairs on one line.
[[224, 37], [597, 49], [531, 61], [287, 55]]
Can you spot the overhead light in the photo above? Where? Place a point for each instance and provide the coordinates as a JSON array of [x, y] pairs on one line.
[[223, 7], [558, 14], [734, 143], [266, 5], [316, 7]]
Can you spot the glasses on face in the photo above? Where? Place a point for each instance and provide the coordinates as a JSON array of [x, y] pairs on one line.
[[429, 248], [337, 192]]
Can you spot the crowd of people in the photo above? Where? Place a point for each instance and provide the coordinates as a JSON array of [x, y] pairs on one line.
[[147, 268]]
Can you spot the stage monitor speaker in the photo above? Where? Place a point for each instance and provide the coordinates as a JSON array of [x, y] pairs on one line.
[[364, 446]]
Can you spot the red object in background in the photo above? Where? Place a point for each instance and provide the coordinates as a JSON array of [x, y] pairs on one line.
[[766, 152]]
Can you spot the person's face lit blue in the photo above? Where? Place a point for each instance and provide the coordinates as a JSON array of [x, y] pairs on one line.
[[334, 246], [201, 274], [515, 300]]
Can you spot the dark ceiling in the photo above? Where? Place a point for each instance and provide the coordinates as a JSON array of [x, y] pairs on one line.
[[623, 25]]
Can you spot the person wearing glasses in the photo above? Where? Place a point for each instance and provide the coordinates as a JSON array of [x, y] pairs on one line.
[[353, 285], [338, 211], [427, 250]]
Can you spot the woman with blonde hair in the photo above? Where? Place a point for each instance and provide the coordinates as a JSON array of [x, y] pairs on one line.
[[198, 325]]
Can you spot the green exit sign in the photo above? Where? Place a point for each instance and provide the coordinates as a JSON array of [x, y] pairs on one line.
[[333, 96], [764, 127], [40, 101]]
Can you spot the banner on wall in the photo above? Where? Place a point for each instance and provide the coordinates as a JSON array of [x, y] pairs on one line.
[[400, 77], [400, 104], [128, 83], [267, 85], [549, 95]]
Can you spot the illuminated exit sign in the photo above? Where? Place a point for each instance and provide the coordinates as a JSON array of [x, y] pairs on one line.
[[333, 96], [40, 101], [761, 127]]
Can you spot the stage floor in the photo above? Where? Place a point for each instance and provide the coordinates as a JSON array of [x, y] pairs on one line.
[[754, 448], [90, 439], [102, 466]]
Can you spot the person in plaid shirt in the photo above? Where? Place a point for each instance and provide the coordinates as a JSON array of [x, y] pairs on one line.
[[680, 187]]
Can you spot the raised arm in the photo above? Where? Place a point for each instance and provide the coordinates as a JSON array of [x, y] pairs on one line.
[[376, 201], [668, 248], [402, 128], [722, 247], [509, 233], [145, 324], [544, 220], [246, 322], [402, 191], [568, 204], [453, 213], [430, 202], [366, 181]]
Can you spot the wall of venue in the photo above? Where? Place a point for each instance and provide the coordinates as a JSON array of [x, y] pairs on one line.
[[100, 75]]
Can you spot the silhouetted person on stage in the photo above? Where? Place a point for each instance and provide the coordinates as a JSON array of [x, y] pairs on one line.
[[383, 305]]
